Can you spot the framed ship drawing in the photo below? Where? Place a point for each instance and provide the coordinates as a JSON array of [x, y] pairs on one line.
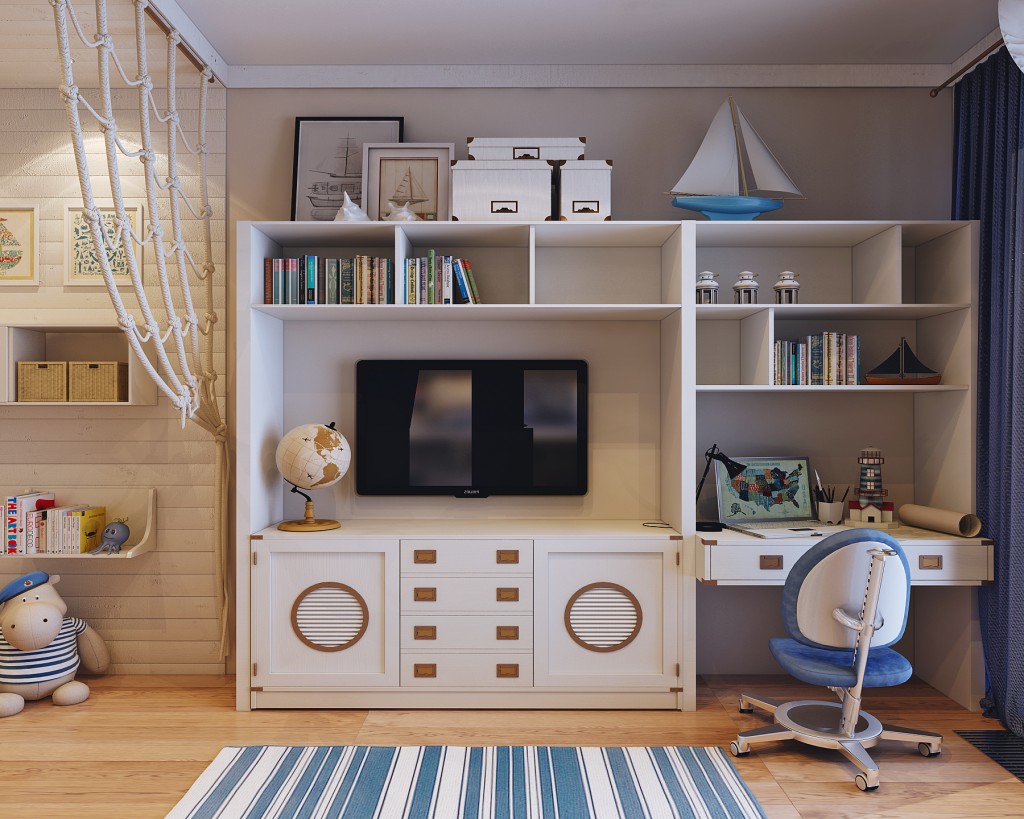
[[81, 265], [329, 161], [417, 174], [19, 244]]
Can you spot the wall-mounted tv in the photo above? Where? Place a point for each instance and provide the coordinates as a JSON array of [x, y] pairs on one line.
[[471, 428]]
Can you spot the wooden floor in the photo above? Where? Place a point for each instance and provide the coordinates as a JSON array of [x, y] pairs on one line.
[[135, 747]]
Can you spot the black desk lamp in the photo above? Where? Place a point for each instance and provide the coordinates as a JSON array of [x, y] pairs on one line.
[[734, 468]]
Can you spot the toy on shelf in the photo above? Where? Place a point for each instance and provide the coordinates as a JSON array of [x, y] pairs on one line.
[[902, 367], [114, 536], [869, 509], [41, 648]]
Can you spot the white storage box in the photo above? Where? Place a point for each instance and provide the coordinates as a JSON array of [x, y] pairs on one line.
[[510, 191], [585, 190], [526, 147]]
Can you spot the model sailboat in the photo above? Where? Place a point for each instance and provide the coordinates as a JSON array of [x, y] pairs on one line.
[[733, 175], [902, 367]]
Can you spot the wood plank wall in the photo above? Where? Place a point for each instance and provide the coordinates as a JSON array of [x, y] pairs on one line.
[[158, 612]]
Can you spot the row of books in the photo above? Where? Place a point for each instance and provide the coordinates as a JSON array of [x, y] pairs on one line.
[[824, 359], [35, 524], [431, 279]]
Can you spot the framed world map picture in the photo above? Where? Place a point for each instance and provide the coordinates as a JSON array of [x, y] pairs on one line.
[[82, 266], [19, 244]]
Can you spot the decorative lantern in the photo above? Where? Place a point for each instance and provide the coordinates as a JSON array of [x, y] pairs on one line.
[[787, 288], [707, 288], [745, 290]]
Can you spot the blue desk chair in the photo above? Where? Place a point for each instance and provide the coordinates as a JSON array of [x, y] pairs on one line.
[[845, 602]]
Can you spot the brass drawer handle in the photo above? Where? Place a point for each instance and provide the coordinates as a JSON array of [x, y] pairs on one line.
[[507, 633], [507, 556], [771, 562], [507, 670], [424, 632], [420, 556], [425, 594], [929, 562], [508, 595], [424, 670]]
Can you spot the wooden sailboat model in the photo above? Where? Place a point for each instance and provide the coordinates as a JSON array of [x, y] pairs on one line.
[[902, 367], [733, 175]]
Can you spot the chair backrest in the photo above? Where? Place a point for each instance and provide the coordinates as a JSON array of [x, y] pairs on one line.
[[834, 574]]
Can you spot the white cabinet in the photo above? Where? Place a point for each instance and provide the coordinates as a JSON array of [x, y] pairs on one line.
[[324, 613], [606, 613]]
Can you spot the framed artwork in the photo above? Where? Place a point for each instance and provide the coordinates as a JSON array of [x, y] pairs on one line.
[[768, 489], [329, 161], [19, 244], [417, 173], [81, 266]]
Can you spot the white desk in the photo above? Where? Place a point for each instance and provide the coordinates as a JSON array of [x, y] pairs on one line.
[[943, 638]]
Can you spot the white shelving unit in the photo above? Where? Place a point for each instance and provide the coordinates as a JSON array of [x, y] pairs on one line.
[[667, 379]]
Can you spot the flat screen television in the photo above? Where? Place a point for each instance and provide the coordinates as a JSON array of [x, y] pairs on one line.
[[471, 428]]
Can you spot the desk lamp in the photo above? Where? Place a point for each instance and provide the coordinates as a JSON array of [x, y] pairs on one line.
[[734, 468]]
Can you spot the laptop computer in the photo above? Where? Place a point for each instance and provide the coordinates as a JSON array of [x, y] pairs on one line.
[[770, 498]]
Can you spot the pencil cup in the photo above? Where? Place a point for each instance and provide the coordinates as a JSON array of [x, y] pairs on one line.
[[831, 512]]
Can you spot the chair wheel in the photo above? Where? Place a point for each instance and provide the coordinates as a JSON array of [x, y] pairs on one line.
[[926, 749], [748, 710], [862, 783], [734, 749]]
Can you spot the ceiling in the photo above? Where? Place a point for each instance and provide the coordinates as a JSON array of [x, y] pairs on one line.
[[394, 43]]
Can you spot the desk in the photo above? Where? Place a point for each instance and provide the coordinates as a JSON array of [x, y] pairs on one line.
[[943, 639]]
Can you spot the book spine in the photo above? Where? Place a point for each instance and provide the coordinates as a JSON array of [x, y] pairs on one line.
[[446, 282], [381, 271], [389, 278], [461, 289], [347, 291], [332, 280], [815, 344], [431, 276], [268, 280], [278, 276], [421, 276], [321, 281], [471, 279], [310, 279]]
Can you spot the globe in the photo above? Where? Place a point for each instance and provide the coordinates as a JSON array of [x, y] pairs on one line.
[[312, 456]]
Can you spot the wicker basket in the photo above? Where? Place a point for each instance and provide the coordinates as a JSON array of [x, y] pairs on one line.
[[97, 381], [42, 381]]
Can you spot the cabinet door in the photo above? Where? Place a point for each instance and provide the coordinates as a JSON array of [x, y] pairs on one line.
[[605, 613], [325, 613]]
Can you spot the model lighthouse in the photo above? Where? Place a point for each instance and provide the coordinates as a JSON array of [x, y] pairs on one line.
[[869, 509]]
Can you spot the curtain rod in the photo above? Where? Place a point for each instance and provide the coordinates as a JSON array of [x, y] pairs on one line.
[[186, 49], [935, 91]]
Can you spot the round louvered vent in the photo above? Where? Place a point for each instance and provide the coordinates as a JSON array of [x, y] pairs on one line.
[[603, 617], [330, 616]]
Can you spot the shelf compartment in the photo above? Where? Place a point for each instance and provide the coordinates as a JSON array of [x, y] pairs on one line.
[[465, 312]]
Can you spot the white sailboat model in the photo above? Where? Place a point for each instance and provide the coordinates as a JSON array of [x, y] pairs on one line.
[[733, 175]]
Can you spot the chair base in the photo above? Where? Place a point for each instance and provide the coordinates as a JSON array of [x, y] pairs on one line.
[[814, 722]]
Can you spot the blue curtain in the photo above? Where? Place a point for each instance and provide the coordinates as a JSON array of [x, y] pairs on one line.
[[987, 187]]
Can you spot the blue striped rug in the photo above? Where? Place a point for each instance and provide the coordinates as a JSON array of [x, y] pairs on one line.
[[449, 782]]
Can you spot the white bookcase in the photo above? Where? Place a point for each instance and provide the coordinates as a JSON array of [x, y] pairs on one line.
[[667, 379]]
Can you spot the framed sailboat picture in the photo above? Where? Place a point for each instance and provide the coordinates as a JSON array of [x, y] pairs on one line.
[[329, 161], [19, 243], [417, 174]]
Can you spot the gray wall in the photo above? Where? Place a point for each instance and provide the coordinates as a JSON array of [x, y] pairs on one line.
[[855, 153]]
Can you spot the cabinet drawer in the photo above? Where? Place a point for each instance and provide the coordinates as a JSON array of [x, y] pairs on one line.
[[761, 563], [467, 670], [949, 563], [496, 556], [478, 595], [426, 632]]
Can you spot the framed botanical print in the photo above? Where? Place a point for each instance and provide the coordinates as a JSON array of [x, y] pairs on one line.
[[81, 265], [417, 174], [19, 244], [329, 161]]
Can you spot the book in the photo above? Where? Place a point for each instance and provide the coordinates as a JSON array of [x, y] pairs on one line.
[[471, 280], [347, 291], [446, 279], [321, 281], [332, 281], [291, 287], [268, 280], [85, 528], [431, 275], [15, 509], [309, 266], [277, 281], [461, 290]]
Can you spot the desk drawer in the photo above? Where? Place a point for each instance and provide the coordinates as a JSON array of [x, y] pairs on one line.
[[483, 556], [765, 562], [467, 670], [947, 563], [478, 595], [426, 632]]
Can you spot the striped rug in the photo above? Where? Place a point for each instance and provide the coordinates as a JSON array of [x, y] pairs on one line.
[[449, 782]]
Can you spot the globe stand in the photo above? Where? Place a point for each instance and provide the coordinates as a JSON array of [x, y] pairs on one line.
[[309, 523]]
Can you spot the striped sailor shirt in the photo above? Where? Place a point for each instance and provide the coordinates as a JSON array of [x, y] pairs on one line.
[[55, 660]]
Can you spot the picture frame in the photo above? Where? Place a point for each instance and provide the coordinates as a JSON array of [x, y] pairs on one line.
[[81, 267], [328, 161], [785, 487], [419, 173], [19, 244]]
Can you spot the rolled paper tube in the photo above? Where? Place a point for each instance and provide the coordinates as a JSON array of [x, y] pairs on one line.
[[940, 520]]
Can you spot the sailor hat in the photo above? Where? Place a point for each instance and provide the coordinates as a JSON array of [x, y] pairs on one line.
[[22, 584]]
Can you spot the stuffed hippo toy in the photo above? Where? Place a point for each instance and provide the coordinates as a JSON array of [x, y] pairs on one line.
[[40, 648]]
